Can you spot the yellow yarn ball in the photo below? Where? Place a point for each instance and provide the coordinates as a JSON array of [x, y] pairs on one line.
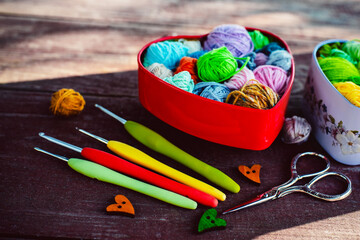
[[350, 91], [66, 102]]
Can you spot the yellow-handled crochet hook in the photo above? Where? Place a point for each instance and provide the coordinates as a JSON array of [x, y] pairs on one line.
[[135, 155]]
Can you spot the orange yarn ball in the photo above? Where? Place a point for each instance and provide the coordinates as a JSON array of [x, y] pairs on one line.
[[188, 64], [66, 102]]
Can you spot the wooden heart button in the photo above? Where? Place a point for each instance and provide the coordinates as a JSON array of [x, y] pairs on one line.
[[252, 173], [209, 220], [122, 205]]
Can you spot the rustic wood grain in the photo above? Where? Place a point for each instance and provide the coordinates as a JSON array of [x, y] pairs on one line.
[[91, 46]]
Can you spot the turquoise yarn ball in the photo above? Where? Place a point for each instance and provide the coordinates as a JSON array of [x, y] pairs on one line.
[[168, 53], [212, 90], [181, 80], [280, 58]]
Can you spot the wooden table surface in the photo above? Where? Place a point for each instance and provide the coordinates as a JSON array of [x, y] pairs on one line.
[[91, 46]]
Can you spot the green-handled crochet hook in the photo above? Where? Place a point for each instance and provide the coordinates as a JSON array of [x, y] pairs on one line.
[[104, 174], [159, 144]]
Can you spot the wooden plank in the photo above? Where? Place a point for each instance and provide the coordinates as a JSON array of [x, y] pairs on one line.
[[43, 197]]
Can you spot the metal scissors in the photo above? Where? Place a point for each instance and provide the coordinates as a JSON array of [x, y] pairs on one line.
[[287, 188]]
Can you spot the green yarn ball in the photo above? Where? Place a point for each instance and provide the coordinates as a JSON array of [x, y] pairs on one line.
[[353, 49], [340, 53], [354, 79], [259, 39], [217, 65], [338, 69], [325, 50]]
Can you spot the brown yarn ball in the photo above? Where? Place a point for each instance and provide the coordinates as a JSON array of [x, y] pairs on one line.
[[66, 102], [253, 95]]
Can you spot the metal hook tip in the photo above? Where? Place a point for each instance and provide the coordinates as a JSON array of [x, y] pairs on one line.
[[41, 134]]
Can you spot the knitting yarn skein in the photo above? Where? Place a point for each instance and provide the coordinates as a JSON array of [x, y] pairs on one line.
[[218, 65], [188, 64], [350, 91], [66, 102], [181, 80], [259, 39], [271, 47], [338, 69], [192, 45], [236, 38], [272, 76], [253, 95], [260, 59], [159, 70], [353, 49], [280, 58], [238, 80], [212, 90], [168, 53]]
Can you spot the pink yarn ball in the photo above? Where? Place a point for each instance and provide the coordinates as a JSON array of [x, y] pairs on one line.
[[261, 59], [274, 77], [239, 79]]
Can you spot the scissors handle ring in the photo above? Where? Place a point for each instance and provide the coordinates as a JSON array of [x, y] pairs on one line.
[[294, 172], [328, 197]]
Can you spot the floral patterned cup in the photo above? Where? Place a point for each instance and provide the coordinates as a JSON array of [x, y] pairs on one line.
[[335, 121]]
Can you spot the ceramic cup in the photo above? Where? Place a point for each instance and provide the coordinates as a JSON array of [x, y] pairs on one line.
[[335, 121]]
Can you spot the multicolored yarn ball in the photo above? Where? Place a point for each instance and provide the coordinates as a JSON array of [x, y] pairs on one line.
[[212, 90], [280, 58], [168, 53], [350, 91], [159, 70], [188, 64], [181, 80], [192, 45], [235, 37], [251, 63], [238, 80], [253, 95], [338, 69], [261, 59], [259, 39], [271, 47], [353, 49], [296, 130], [66, 102], [272, 76], [218, 65], [197, 54]]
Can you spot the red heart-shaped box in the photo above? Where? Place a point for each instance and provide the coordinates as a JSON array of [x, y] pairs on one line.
[[214, 121]]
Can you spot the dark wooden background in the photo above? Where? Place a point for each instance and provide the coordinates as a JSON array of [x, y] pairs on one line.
[[91, 46]]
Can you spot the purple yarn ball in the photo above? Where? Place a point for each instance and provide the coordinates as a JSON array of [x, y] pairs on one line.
[[261, 59], [236, 38]]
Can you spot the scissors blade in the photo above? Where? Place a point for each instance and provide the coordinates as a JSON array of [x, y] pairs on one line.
[[259, 199]]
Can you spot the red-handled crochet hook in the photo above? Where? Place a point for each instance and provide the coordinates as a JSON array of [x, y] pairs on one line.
[[123, 166]]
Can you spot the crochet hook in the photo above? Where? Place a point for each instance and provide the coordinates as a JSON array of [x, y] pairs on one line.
[[128, 168], [101, 173], [135, 155], [159, 144]]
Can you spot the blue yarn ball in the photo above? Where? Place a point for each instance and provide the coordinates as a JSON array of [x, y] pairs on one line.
[[197, 54], [251, 64], [212, 90], [168, 53], [271, 47], [181, 80], [280, 58]]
